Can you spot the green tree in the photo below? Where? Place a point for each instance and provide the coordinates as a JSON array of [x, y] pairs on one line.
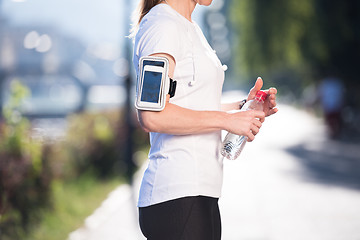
[[293, 43]]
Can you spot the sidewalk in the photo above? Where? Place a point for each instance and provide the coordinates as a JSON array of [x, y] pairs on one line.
[[299, 186], [115, 219], [289, 184]]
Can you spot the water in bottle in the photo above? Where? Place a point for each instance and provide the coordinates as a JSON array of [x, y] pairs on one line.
[[233, 144]]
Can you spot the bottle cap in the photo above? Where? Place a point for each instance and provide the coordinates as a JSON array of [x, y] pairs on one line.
[[261, 95]]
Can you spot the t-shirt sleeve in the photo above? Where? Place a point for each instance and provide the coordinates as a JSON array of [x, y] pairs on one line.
[[158, 37]]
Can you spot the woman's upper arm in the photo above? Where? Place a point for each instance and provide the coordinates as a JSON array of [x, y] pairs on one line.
[[146, 118], [171, 60]]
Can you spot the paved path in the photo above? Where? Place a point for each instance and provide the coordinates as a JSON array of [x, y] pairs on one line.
[[115, 219], [289, 184]]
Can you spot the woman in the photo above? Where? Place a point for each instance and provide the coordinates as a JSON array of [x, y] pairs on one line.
[[181, 186]]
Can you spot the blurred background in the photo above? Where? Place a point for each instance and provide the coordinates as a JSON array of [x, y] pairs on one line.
[[69, 138]]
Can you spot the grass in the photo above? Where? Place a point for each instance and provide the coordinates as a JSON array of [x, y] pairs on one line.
[[73, 202]]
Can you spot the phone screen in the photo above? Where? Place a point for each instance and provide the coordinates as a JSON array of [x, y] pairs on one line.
[[151, 86]]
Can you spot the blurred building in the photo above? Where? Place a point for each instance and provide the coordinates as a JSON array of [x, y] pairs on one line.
[[36, 56], [63, 74]]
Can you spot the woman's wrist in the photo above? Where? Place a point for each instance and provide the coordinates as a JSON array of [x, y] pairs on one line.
[[223, 121], [242, 103]]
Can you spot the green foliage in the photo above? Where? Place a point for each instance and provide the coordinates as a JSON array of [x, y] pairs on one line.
[[73, 202], [66, 178], [271, 33], [90, 143], [292, 43], [24, 180], [94, 143], [16, 125]]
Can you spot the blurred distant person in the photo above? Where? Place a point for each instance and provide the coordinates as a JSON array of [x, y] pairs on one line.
[[331, 96], [179, 193]]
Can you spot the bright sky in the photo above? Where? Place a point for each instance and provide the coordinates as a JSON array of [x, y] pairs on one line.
[[93, 21], [90, 20]]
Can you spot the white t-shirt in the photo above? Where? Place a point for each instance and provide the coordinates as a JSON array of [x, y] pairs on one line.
[[188, 165]]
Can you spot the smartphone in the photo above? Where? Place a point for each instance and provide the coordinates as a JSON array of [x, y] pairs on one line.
[[152, 85]]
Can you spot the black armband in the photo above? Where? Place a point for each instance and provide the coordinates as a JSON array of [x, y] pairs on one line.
[[172, 87]]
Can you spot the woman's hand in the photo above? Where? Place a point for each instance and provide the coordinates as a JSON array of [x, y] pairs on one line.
[[270, 101], [246, 123]]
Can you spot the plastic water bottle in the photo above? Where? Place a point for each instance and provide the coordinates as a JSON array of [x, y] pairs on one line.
[[233, 144]]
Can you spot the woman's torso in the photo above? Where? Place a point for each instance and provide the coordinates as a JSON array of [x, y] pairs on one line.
[[186, 165]]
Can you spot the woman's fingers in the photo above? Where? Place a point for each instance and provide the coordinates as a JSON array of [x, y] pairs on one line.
[[272, 111], [257, 86], [259, 115], [256, 113], [270, 102], [255, 126], [247, 123], [254, 129], [250, 137], [257, 123]]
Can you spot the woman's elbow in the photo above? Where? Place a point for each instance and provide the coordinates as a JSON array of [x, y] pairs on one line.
[[147, 121]]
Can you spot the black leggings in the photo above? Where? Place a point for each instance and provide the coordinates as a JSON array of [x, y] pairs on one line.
[[188, 218]]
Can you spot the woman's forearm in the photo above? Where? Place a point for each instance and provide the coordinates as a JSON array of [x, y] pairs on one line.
[[181, 121], [230, 106]]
